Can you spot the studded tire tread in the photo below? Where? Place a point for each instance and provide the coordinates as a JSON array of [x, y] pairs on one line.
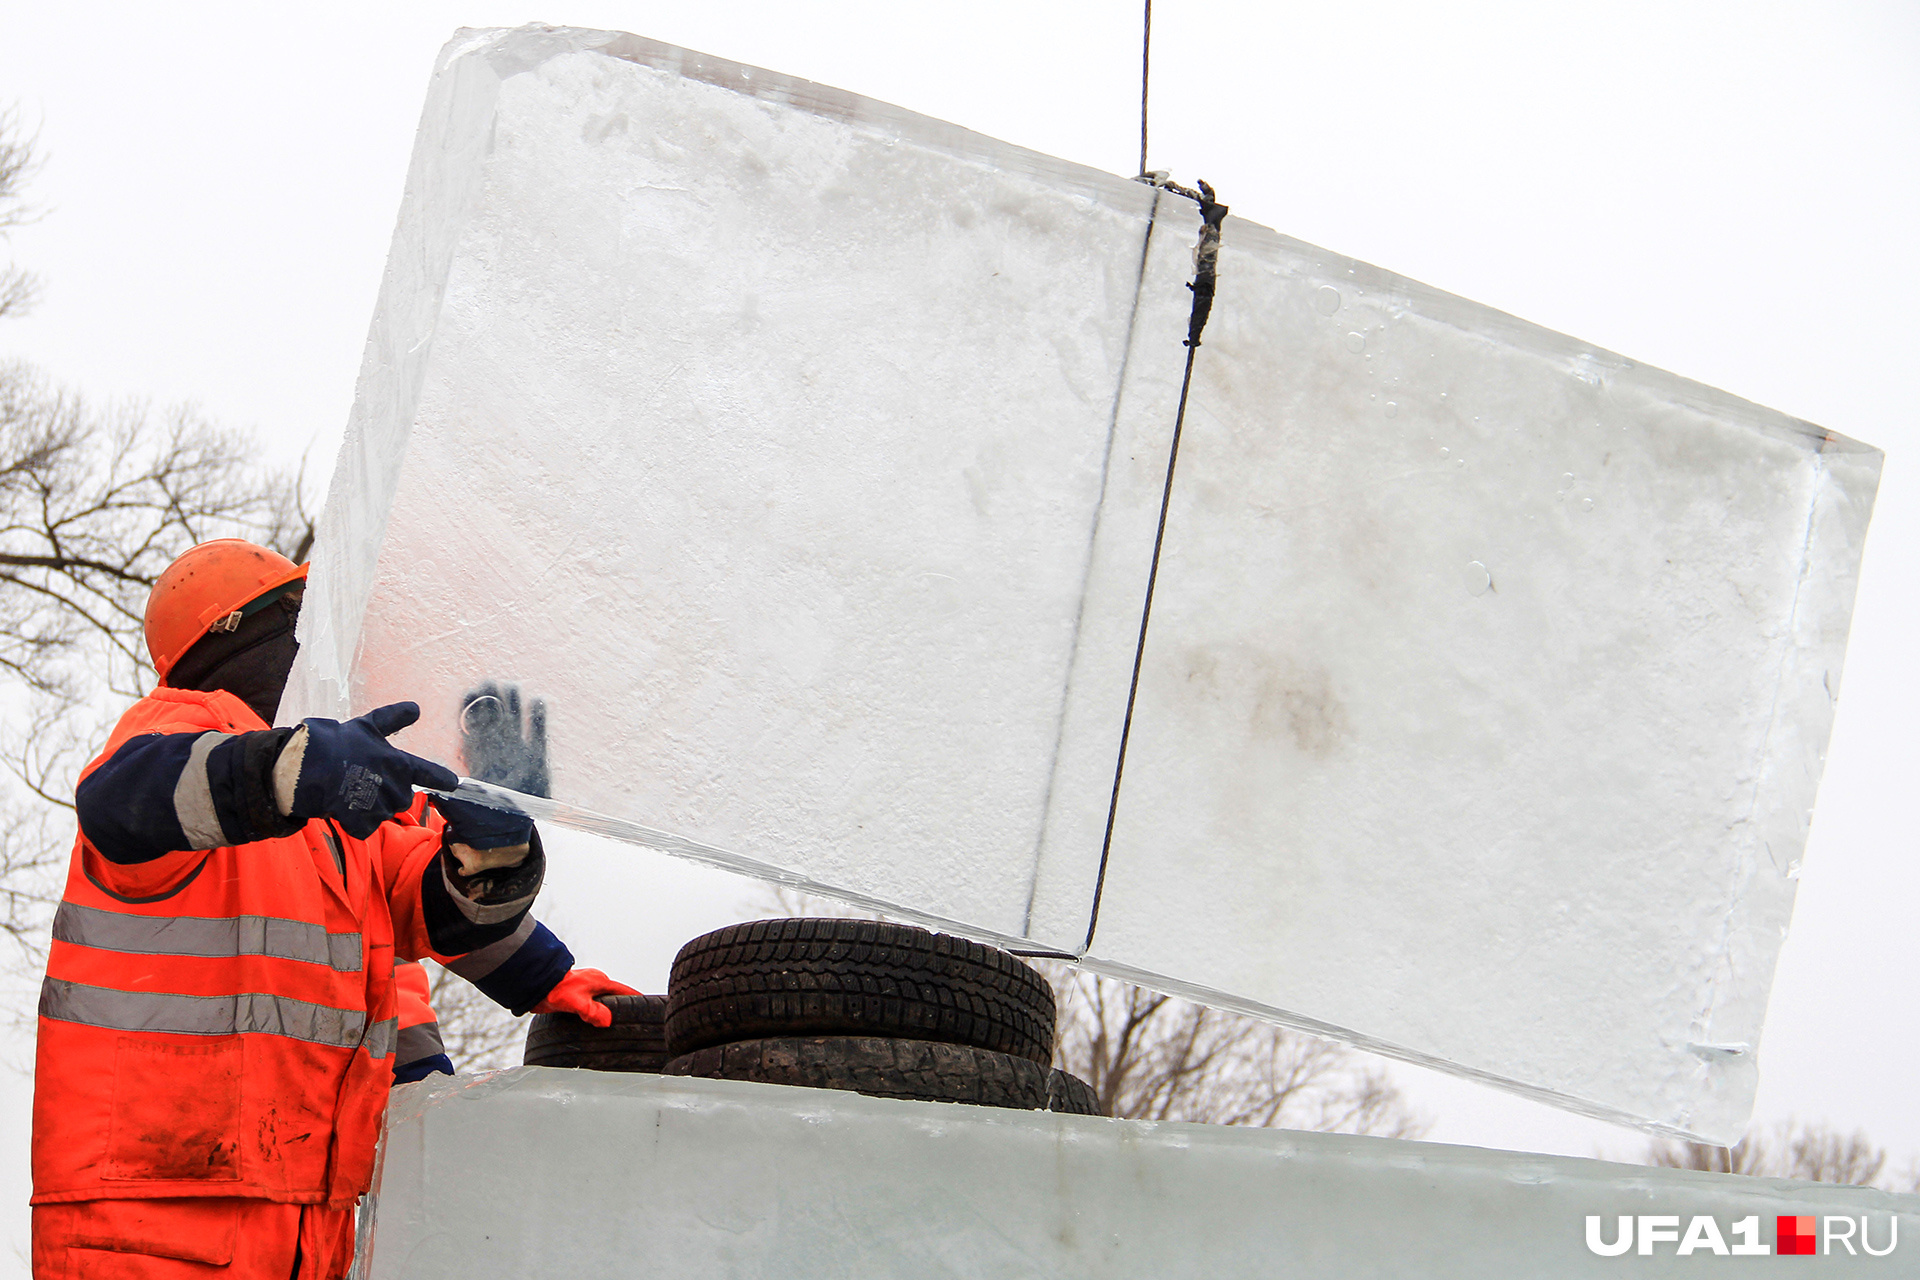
[[878, 1066], [832, 977], [1068, 1093], [637, 1040]]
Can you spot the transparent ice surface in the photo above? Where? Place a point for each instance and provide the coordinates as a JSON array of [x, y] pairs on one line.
[[806, 457], [543, 1172]]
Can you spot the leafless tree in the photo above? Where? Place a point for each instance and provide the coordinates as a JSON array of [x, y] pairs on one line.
[[18, 288], [1809, 1152], [94, 503], [1150, 1056], [478, 1034], [33, 846]]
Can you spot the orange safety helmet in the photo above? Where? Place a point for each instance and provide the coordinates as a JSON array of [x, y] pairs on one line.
[[208, 588]]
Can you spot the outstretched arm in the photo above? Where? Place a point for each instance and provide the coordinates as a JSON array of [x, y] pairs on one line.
[[164, 792], [457, 904]]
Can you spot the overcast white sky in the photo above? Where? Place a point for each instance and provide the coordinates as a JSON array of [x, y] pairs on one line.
[[1727, 190]]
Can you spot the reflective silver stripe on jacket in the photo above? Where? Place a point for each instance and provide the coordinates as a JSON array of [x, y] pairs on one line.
[[193, 796], [381, 1036], [213, 936], [480, 962], [250, 1011], [419, 1042]]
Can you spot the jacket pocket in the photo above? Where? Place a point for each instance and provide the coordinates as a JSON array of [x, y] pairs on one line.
[[189, 1231], [176, 1111]]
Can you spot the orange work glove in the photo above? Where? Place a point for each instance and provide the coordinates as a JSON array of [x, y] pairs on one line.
[[575, 994]]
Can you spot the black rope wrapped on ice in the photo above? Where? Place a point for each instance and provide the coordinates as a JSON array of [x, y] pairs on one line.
[[1206, 262]]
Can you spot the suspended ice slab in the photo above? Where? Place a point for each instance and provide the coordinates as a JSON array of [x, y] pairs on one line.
[[540, 1172], [808, 458]]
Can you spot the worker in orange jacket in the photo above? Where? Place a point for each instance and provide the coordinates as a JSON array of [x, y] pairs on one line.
[[218, 1023]]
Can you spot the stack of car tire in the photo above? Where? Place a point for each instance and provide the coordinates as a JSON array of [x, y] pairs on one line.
[[881, 1009]]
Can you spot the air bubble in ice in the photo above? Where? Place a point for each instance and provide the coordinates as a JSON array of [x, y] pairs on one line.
[[1586, 504], [1393, 409], [1356, 342], [481, 713], [1476, 577], [1327, 301]]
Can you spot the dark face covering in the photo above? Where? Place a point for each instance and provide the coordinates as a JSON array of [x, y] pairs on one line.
[[251, 663]]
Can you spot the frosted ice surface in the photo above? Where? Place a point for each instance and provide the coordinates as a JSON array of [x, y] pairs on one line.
[[1486, 691], [806, 457], [540, 1172], [775, 478]]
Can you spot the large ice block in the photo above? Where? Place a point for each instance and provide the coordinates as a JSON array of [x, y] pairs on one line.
[[808, 458], [540, 1172]]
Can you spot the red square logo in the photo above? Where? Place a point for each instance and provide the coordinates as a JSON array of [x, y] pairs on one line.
[[1794, 1235]]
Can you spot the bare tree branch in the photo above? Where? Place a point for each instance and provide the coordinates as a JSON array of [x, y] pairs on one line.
[[33, 850], [1150, 1056], [18, 288], [1809, 1152], [479, 1035], [93, 506]]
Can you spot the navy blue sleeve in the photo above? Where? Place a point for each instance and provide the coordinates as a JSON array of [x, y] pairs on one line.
[[518, 970], [126, 805], [523, 979], [161, 792], [420, 1069]]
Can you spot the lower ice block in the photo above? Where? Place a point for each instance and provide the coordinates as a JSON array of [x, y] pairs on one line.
[[810, 460], [543, 1172]]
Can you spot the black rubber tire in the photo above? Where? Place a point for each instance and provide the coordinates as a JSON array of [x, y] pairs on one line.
[[1068, 1093], [917, 1070], [773, 978], [637, 1040]]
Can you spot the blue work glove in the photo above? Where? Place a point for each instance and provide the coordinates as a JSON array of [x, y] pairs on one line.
[[350, 773], [494, 744], [479, 827]]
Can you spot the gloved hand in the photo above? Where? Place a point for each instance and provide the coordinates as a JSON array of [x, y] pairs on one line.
[[480, 826], [492, 744], [575, 994], [350, 773]]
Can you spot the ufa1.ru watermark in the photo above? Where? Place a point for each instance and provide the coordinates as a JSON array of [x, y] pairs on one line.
[[1648, 1233]]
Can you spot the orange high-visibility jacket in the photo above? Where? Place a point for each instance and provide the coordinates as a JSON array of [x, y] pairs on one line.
[[221, 1022]]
